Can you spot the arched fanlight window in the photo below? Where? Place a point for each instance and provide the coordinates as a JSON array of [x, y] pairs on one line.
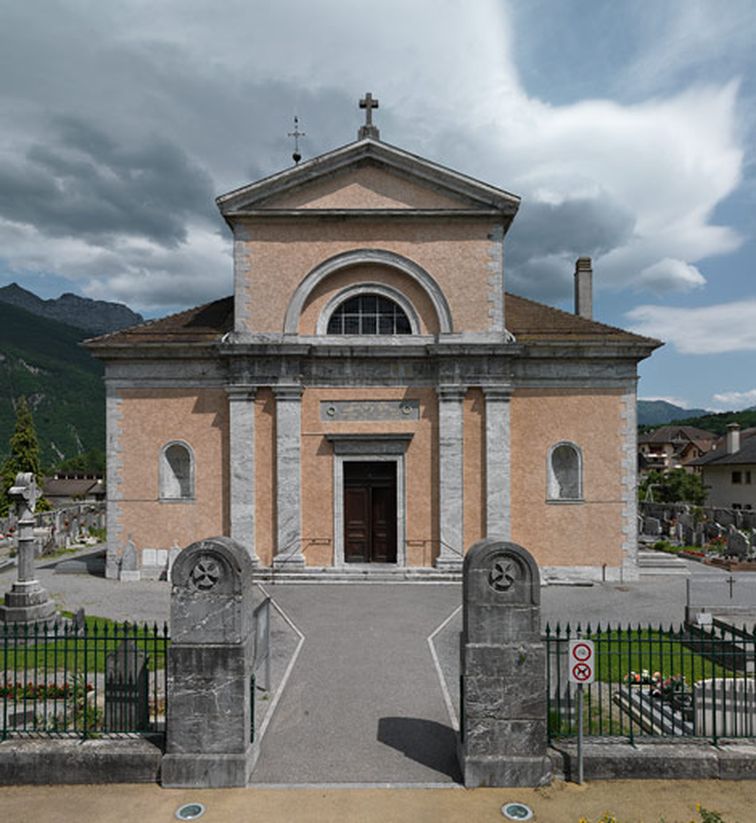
[[176, 472], [565, 472], [369, 314]]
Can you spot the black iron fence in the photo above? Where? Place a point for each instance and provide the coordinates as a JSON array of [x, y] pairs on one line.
[[685, 681], [89, 678]]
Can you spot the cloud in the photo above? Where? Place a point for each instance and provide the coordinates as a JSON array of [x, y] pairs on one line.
[[684, 39], [736, 399], [670, 275], [131, 117], [146, 275], [726, 327], [84, 184]]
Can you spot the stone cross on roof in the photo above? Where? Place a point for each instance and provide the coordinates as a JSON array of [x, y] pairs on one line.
[[368, 130]]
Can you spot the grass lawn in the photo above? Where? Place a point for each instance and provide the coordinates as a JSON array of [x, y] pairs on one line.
[[28, 654]]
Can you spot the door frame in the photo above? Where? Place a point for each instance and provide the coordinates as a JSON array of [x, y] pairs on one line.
[[357, 448]]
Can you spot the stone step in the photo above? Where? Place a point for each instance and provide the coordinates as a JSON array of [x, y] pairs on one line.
[[650, 563], [311, 574]]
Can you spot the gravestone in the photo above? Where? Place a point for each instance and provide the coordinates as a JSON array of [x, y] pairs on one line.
[[129, 566], [210, 707], [127, 689], [738, 544], [652, 526], [724, 517], [503, 735]]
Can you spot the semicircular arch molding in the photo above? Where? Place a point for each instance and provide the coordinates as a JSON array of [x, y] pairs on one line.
[[374, 256]]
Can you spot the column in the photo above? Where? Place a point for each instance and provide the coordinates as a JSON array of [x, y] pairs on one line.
[[288, 476], [498, 470], [450, 473], [241, 415]]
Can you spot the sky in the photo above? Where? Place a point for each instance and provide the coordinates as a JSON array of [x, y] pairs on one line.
[[627, 128]]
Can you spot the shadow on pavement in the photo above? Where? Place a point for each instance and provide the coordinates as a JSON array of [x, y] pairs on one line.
[[92, 563], [430, 743]]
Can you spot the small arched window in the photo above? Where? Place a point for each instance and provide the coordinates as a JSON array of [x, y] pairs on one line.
[[176, 472], [565, 472], [369, 314]]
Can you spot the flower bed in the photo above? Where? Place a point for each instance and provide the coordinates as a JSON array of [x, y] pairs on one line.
[[40, 691]]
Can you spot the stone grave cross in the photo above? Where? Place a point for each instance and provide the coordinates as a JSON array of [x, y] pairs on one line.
[[27, 602]]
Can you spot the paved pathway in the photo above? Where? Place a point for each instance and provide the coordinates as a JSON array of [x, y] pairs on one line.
[[363, 703]]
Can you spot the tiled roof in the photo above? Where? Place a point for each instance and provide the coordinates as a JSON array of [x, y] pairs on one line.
[[673, 434], [719, 456], [529, 321], [202, 324]]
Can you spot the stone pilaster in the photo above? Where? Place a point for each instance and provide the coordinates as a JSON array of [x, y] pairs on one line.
[[498, 469], [241, 413], [629, 486], [116, 536], [288, 474], [451, 481]]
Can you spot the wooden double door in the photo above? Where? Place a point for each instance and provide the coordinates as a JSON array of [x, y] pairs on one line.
[[370, 512]]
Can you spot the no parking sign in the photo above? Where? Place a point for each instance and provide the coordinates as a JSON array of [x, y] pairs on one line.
[[582, 661]]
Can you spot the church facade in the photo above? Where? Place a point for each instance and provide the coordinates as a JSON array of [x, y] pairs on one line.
[[371, 396]]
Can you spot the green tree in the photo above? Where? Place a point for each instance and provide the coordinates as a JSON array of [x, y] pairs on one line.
[[23, 457], [675, 486], [91, 462]]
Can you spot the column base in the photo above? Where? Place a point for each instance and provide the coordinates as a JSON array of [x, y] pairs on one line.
[[37, 614], [504, 771], [449, 562], [290, 562], [207, 771]]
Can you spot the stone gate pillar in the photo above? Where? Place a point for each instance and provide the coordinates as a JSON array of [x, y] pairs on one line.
[[503, 733], [210, 700]]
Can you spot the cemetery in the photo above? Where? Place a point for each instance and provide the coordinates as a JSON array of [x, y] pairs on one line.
[[187, 704]]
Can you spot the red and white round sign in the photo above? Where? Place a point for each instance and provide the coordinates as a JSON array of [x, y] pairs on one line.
[[582, 661]]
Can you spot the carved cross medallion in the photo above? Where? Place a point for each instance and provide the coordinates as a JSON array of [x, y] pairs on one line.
[[502, 575], [206, 573]]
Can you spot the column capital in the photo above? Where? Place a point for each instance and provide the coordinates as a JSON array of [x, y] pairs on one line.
[[241, 392], [498, 392], [448, 392], [288, 391]]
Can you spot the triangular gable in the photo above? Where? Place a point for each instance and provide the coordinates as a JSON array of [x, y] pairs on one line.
[[366, 186], [375, 170]]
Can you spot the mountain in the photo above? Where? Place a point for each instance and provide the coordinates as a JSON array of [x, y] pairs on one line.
[[659, 412], [94, 316], [42, 359]]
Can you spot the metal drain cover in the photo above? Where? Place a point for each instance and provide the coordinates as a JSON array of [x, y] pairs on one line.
[[191, 811], [517, 811]]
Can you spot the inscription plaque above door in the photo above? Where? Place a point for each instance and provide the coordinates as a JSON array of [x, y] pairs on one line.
[[369, 409]]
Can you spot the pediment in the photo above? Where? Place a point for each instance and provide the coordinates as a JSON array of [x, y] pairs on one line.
[[366, 186], [366, 176]]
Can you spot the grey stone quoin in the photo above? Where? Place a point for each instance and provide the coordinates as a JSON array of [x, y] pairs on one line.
[[503, 734], [209, 737]]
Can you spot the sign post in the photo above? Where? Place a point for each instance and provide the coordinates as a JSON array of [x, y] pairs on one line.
[[582, 661]]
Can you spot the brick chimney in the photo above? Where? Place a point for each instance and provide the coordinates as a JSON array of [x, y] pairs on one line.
[[584, 288], [733, 438]]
